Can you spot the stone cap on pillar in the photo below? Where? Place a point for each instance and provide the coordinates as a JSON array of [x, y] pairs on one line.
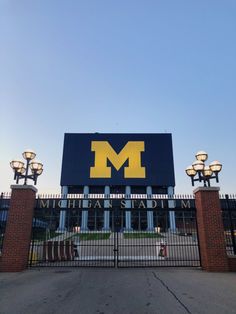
[[206, 189], [24, 187]]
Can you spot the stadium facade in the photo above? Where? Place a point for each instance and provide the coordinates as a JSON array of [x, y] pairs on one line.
[[124, 164]]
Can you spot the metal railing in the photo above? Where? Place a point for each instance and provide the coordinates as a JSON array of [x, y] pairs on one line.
[[228, 203], [4, 206], [119, 246]]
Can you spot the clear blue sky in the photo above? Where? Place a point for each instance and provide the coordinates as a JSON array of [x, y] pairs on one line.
[[118, 66]]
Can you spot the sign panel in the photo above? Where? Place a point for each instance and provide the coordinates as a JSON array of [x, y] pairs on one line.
[[98, 203], [117, 159]]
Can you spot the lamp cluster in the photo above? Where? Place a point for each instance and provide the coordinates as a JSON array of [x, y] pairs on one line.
[[21, 171], [204, 173]]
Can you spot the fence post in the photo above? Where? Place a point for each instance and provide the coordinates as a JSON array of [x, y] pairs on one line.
[[210, 229], [18, 229]]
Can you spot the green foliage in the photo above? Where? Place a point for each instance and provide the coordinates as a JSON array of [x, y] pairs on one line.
[[41, 234]]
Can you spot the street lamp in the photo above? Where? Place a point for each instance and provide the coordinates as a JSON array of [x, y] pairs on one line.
[[204, 173], [22, 172]]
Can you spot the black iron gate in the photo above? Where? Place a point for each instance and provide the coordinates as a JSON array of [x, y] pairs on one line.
[[164, 244]]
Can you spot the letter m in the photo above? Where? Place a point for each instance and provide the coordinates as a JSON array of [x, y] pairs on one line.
[[131, 152]]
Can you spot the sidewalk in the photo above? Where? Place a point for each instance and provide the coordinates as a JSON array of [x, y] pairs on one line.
[[118, 291]]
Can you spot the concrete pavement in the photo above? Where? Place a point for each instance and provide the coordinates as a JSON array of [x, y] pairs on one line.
[[108, 291]]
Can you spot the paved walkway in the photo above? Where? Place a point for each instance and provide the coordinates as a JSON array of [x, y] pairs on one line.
[[117, 291]]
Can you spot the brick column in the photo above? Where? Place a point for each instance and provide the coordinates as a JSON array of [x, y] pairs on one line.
[[18, 229], [210, 229]]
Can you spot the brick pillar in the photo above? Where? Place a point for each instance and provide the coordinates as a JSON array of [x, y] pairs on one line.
[[210, 229], [18, 229]]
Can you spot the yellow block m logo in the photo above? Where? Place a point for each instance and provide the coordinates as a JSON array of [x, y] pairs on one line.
[[104, 151]]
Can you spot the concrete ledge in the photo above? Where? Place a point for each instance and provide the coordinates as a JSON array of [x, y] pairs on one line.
[[24, 187], [206, 189]]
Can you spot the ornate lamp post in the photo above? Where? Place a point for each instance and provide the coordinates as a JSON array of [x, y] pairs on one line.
[[204, 173], [22, 172]]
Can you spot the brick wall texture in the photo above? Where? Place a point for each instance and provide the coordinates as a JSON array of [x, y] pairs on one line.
[[232, 263], [211, 231], [18, 231]]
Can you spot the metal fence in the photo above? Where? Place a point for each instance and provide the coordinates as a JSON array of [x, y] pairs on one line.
[[4, 206], [228, 204], [118, 246]]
